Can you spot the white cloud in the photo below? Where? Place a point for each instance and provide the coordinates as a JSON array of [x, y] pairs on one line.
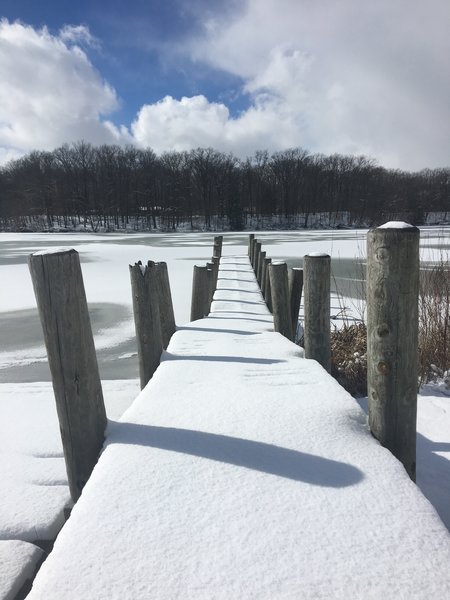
[[50, 93], [78, 34], [341, 76]]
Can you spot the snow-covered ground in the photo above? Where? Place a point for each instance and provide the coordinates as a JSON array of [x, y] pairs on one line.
[[33, 492]]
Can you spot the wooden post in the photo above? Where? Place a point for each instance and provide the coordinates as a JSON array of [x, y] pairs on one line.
[[282, 320], [265, 274], [165, 304], [295, 295], [392, 333], [257, 253], [218, 241], [200, 293], [267, 289], [262, 256], [317, 308], [147, 320], [253, 259], [216, 262], [251, 237], [61, 299], [210, 268]]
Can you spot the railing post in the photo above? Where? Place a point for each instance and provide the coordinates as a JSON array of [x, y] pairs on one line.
[[317, 308], [392, 334], [295, 295], [147, 320], [200, 293], [282, 321], [165, 304], [61, 300]]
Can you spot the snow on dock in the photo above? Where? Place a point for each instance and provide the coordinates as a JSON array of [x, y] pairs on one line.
[[243, 471]]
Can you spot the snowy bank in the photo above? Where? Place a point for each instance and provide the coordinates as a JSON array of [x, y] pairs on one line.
[[242, 471]]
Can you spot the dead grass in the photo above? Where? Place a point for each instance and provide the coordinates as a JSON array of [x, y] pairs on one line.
[[349, 357], [434, 322]]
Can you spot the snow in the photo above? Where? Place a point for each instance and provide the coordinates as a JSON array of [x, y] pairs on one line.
[[243, 470], [33, 491], [318, 254], [56, 250], [396, 225], [18, 562]]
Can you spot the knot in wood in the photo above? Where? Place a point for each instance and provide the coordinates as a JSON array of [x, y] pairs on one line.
[[384, 367]]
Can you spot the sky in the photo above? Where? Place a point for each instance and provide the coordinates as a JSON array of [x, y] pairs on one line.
[[330, 76]]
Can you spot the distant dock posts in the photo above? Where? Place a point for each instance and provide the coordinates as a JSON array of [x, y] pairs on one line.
[[280, 287], [61, 300], [204, 282], [392, 338]]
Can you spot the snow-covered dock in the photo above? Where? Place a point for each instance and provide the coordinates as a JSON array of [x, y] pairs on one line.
[[244, 471]]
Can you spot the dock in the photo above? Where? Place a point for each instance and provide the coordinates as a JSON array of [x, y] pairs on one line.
[[244, 471]]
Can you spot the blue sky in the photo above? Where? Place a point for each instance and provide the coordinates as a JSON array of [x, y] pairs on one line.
[[331, 76]]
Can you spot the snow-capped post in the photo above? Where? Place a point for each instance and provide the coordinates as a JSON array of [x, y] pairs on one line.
[[61, 300], [279, 286], [265, 274], [295, 295], [392, 338], [200, 293], [262, 256], [147, 320], [251, 237], [267, 290], [257, 253], [316, 270], [165, 304]]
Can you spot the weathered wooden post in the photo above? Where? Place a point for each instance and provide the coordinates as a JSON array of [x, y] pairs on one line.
[[165, 304], [267, 290], [210, 277], [253, 259], [392, 334], [257, 253], [217, 247], [251, 237], [317, 308], [147, 319], [279, 286], [200, 293], [262, 256], [216, 262], [61, 300], [295, 295], [265, 274]]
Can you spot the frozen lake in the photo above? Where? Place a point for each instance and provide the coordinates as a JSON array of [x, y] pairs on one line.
[[105, 259]]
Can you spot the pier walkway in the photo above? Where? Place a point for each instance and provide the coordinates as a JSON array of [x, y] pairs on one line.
[[243, 471]]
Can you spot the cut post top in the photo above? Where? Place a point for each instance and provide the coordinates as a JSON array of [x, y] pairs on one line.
[[317, 255], [397, 225], [62, 250]]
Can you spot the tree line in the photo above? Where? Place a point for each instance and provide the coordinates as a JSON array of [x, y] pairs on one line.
[[110, 187]]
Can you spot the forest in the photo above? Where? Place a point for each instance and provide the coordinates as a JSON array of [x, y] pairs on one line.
[[110, 187]]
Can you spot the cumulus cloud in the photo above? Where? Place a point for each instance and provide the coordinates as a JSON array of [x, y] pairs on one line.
[[50, 93], [338, 76]]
